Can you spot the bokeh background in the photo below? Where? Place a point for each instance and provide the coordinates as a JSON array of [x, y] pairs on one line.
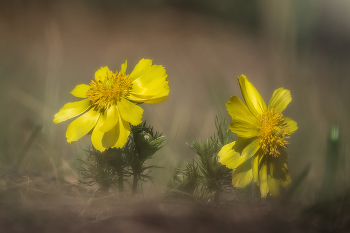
[[48, 47]]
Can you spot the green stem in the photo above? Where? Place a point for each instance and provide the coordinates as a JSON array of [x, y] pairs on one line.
[[104, 188], [217, 198], [120, 175], [134, 184]]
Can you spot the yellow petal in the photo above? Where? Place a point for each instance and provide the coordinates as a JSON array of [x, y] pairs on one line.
[[82, 125], [252, 98], [124, 132], [280, 99], [150, 81], [71, 110], [110, 137], [255, 168], [274, 186], [140, 68], [292, 124], [101, 74], [279, 169], [137, 99], [236, 153], [123, 68], [97, 135], [158, 98], [285, 182], [80, 90], [130, 112], [244, 123], [150, 89], [242, 175], [111, 119], [226, 153], [118, 135], [264, 188]]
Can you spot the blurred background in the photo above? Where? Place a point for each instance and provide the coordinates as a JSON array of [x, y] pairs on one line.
[[49, 47]]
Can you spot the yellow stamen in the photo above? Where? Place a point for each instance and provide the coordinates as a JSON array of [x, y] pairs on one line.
[[103, 93], [274, 131]]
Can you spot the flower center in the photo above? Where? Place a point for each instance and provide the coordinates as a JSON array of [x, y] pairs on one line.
[[274, 131], [103, 93]]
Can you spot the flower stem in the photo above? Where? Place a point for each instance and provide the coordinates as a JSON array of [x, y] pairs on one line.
[[120, 175], [134, 185]]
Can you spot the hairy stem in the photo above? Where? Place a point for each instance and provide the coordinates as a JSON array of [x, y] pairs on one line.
[[134, 184], [120, 175]]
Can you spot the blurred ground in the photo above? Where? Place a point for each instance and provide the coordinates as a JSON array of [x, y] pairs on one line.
[[46, 48], [140, 216]]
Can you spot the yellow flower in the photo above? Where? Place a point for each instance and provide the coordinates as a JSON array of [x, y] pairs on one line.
[[263, 132], [109, 103]]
